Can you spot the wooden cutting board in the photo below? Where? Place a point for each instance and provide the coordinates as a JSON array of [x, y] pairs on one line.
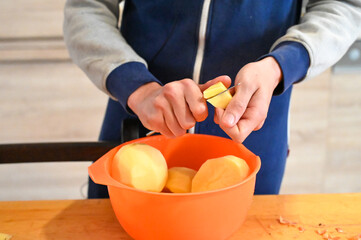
[[94, 219]]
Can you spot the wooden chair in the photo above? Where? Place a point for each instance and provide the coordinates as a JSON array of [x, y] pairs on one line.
[[64, 151]]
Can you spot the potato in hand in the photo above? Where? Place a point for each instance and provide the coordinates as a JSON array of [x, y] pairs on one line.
[[221, 100]]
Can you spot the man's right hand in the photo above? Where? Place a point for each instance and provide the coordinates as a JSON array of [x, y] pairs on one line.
[[174, 108]]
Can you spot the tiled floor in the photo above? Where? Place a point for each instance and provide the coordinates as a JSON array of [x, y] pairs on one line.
[[44, 97]]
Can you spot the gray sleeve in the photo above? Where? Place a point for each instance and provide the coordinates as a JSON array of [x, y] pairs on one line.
[[94, 40], [326, 30]]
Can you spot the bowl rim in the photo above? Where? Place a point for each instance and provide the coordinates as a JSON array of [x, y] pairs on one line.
[[115, 183]]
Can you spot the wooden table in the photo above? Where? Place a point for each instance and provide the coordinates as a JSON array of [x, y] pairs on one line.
[[94, 219]]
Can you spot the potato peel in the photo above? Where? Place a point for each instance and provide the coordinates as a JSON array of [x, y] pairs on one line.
[[339, 230], [324, 234], [286, 222], [321, 232]]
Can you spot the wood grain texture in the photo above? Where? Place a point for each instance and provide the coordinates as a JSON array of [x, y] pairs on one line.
[[308, 211], [94, 219], [67, 219]]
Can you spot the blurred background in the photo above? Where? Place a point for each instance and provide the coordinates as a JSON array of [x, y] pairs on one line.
[[44, 97]]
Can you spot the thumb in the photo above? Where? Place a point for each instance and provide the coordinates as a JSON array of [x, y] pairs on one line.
[[226, 80], [218, 113]]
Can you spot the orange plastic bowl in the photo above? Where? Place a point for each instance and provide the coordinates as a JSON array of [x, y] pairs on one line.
[[170, 216]]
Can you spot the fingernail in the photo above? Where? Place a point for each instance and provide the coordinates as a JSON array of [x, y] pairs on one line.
[[229, 119]]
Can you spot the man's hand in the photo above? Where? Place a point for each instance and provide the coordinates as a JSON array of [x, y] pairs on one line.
[[248, 109], [173, 108]]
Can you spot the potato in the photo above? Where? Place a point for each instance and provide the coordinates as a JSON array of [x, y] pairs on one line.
[[220, 101], [180, 179], [140, 166], [219, 173]]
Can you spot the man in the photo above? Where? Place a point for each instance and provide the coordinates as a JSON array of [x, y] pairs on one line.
[[167, 52]]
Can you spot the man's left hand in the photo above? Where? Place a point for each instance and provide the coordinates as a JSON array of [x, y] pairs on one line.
[[248, 109]]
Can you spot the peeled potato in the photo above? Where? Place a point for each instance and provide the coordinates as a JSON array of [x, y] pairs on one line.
[[180, 179], [219, 173], [214, 90], [140, 166], [220, 101]]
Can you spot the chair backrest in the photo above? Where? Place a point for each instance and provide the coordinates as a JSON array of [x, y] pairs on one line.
[[65, 152], [54, 152]]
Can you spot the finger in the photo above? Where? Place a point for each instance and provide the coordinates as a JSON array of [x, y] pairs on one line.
[[175, 94], [165, 121], [226, 80], [237, 133], [233, 133], [195, 101], [155, 122], [172, 122], [237, 105], [259, 126], [218, 112], [183, 114], [161, 127], [254, 116]]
